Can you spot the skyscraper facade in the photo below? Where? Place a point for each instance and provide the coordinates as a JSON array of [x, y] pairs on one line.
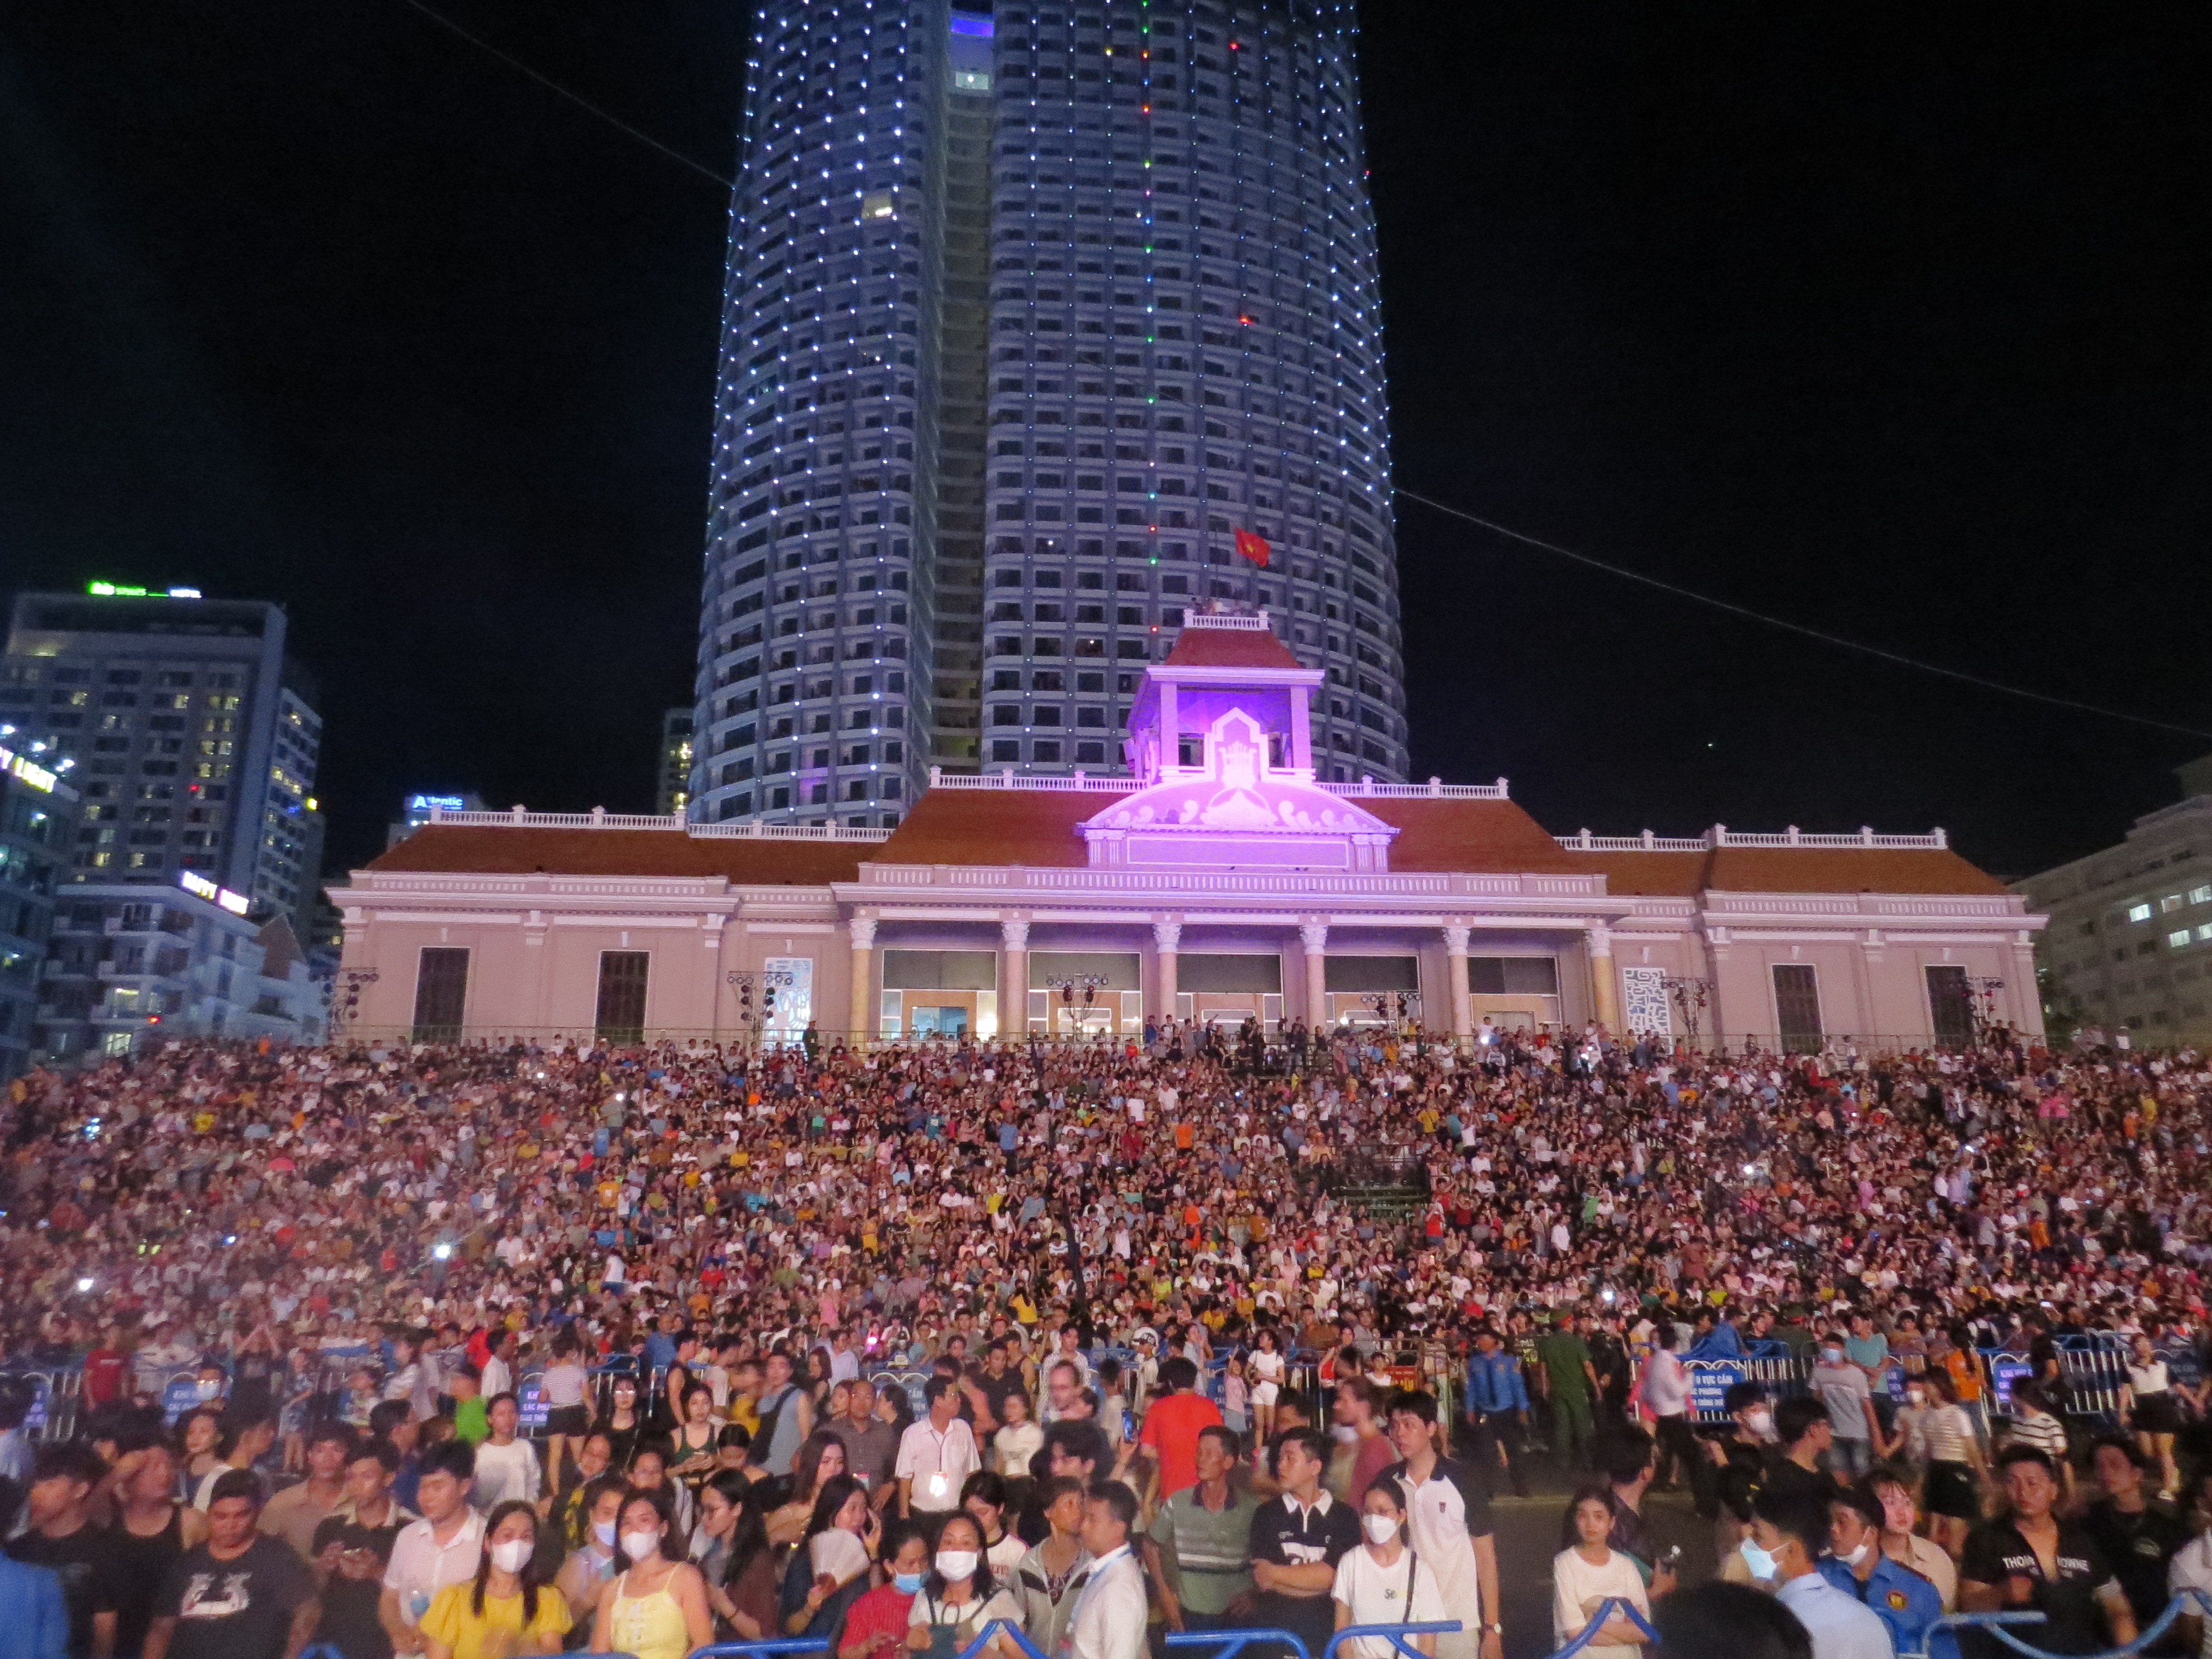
[[193, 736], [1030, 310]]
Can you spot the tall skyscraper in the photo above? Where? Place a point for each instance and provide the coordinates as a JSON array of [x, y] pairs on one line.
[[1028, 311], [195, 737], [673, 793]]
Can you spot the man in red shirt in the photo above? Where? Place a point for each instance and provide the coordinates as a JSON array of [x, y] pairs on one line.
[[105, 1368], [1170, 1437]]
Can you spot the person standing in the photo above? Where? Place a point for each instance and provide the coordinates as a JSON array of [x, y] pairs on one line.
[[61, 1537], [1298, 1536], [1789, 1531], [240, 1595], [1383, 1582], [1199, 1546], [2029, 1559], [871, 1446], [1665, 1388], [1109, 1620], [786, 1416], [34, 1622], [151, 1530], [294, 1514], [507, 1465], [1497, 1409], [1841, 1387], [2139, 1537], [1172, 1426], [442, 1548], [1448, 1522], [352, 1548], [1856, 1565], [1589, 1571], [936, 1455], [1567, 1376]]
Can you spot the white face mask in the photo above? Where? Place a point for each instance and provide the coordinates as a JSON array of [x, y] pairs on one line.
[[957, 1566], [1761, 1423], [641, 1546], [1380, 1528], [604, 1532], [512, 1554], [209, 1389], [1855, 1557]]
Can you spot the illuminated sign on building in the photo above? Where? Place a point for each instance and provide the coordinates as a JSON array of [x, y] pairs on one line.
[[201, 887], [117, 590], [436, 803], [29, 770]]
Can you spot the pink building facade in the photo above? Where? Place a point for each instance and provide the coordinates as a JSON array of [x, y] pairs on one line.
[[1221, 881]]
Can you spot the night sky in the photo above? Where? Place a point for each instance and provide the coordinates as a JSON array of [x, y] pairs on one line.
[[1884, 322]]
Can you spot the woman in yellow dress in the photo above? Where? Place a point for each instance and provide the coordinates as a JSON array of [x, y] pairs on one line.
[[510, 1608], [655, 1606]]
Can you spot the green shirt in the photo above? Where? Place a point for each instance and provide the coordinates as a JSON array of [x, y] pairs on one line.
[[1205, 1555], [1563, 1355], [470, 1423]]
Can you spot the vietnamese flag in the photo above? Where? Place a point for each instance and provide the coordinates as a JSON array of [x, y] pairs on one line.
[[1252, 547]]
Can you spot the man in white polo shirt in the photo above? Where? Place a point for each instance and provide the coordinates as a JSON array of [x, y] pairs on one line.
[[1448, 1524], [936, 1455], [442, 1548]]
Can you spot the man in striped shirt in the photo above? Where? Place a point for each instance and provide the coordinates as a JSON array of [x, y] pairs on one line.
[[1199, 1548]]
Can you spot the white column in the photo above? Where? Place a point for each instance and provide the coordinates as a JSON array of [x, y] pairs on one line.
[[1604, 992], [1313, 938], [1167, 938], [1013, 978], [1456, 938], [860, 1027]]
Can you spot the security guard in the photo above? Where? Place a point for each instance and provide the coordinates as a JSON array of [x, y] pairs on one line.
[[1907, 1603]]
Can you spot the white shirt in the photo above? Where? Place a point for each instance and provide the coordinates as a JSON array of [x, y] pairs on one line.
[[1578, 1588], [504, 1472], [1109, 1616], [1839, 1626], [1403, 1593], [937, 1463], [1436, 1524], [421, 1566], [2192, 1570], [498, 1378]]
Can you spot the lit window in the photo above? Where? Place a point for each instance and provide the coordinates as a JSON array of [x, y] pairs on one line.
[[2204, 930], [2139, 913], [2178, 938], [2200, 896], [2172, 901], [878, 204]]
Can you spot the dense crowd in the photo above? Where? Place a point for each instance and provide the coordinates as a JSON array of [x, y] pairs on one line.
[[261, 1264]]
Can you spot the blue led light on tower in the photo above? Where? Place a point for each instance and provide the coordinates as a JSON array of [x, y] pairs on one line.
[[1030, 310]]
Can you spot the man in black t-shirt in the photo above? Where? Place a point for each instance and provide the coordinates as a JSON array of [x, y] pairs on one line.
[[1297, 1539], [239, 1595], [352, 1547], [2139, 1537], [2003, 1567], [62, 1538]]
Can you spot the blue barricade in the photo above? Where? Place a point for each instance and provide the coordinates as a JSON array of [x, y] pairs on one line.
[[1999, 1627], [1228, 1643], [1607, 1609], [1397, 1633]]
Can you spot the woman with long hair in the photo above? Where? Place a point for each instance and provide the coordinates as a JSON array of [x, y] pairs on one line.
[[960, 1597], [563, 1382], [1267, 1368], [1589, 1572], [655, 1605], [733, 1554], [623, 1425], [829, 1569], [510, 1606], [984, 1495], [2154, 1412], [821, 1458], [1951, 1488]]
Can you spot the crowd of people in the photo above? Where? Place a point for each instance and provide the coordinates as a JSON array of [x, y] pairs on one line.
[[446, 1350]]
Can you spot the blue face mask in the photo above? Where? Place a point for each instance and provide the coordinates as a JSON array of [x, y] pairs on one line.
[[1762, 1565], [909, 1583]]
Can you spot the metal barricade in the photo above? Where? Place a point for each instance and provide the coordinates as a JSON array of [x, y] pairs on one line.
[[1607, 1609], [1397, 1633], [2000, 1626], [1228, 1643]]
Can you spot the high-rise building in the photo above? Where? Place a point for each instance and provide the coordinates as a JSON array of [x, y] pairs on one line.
[[1030, 310], [418, 810], [2128, 956], [196, 738], [674, 793], [37, 818]]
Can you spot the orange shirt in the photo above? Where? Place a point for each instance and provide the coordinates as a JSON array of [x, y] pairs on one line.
[[1171, 1426]]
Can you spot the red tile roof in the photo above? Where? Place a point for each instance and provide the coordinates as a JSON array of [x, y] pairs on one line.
[[996, 826], [1231, 648], [1787, 870], [524, 850], [1480, 836]]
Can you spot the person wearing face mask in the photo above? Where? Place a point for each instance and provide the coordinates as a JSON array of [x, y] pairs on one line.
[[1789, 1531], [1740, 1457], [510, 1608], [876, 1624], [1907, 1603], [959, 1597], [590, 1563], [655, 1606], [1856, 1431]]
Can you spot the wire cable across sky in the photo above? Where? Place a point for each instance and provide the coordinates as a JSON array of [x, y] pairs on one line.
[[1784, 623]]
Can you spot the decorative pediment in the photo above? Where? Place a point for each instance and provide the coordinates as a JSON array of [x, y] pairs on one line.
[[1236, 809]]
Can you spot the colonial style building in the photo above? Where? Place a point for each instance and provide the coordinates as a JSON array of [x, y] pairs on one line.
[[1222, 879]]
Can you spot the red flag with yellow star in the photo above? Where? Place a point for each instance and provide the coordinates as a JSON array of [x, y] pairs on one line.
[[1253, 547]]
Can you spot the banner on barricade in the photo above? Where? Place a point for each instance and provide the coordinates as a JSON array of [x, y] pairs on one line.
[[1709, 1381]]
